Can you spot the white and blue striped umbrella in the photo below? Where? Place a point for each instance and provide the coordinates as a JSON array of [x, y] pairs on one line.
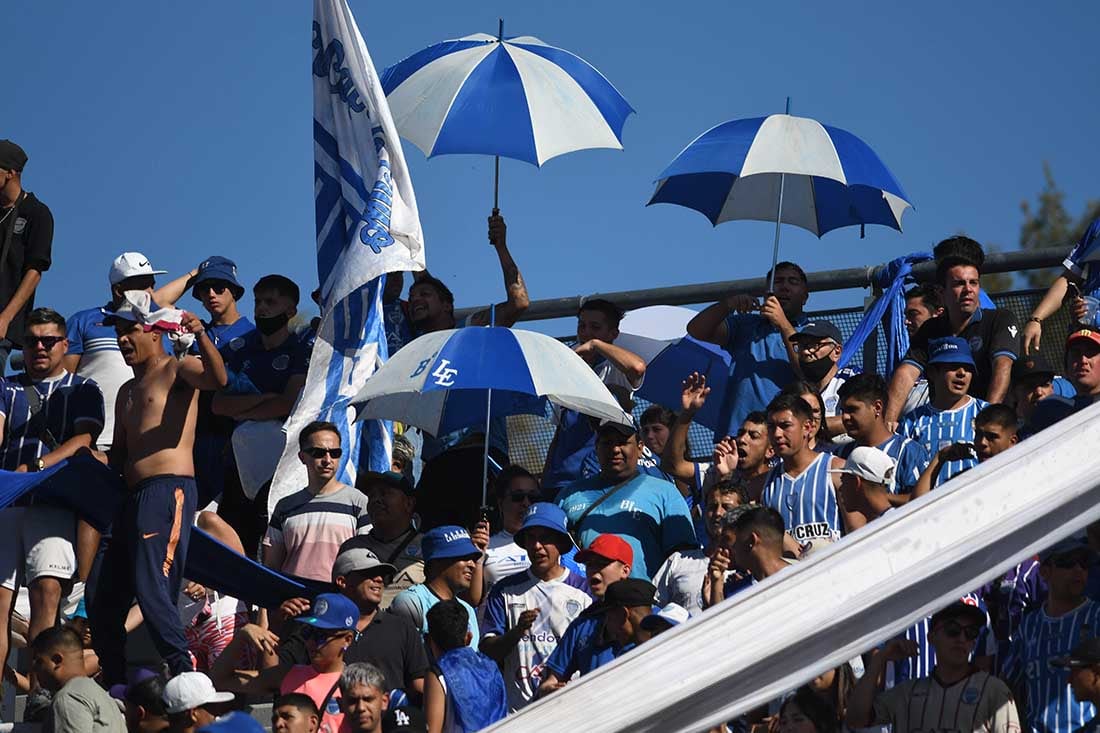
[[440, 382], [830, 177], [517, 98]]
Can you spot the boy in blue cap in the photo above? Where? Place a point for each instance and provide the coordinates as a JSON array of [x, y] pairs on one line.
[[215, 285], [526, 614], [449, 559], [948, 418]]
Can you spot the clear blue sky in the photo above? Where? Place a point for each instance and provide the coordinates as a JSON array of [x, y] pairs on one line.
[[184, 129]]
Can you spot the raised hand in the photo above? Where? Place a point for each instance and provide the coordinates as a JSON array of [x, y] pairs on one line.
[[695, 391], [742, 303], [498, 230], [725, 457], [899, 649], [772, 310]]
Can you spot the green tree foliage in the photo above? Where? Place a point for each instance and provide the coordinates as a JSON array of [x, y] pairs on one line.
[[1048, 224]]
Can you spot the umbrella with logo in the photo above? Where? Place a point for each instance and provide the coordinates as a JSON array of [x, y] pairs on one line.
[[461, 378]]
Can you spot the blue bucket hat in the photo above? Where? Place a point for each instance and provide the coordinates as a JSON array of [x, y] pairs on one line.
[[448, 541], [331, 611], [219, 268], [950, 350], [550, 516]]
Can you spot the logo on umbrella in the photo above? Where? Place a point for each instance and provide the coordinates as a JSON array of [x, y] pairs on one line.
[[444, 375]]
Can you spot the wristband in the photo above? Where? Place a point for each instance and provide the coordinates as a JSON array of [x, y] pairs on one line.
[[1035, 319]]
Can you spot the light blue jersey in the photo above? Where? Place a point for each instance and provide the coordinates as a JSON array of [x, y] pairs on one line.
[[806, 502], [910, 460], [936, 429], [1051, 706]]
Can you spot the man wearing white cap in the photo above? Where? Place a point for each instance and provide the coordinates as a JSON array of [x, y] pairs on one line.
[[669, 615], [93, 348], [865, 481], [192, 702]]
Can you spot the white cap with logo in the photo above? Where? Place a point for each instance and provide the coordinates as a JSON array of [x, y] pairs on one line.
[[190, 690], [131, 264], [870, 464]]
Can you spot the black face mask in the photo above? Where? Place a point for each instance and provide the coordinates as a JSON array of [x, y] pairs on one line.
[[270, 325], [816, 370]]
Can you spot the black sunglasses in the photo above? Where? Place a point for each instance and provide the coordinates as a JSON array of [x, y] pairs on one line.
[[521, 496], [317, 452], [217, 286], [1065, 562], [953, 630], [48, 342], [321, 636]]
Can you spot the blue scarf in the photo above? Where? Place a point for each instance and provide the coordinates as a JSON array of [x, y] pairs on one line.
[[475, 688]]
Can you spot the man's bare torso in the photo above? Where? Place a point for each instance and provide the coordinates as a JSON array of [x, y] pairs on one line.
[[157, 411]]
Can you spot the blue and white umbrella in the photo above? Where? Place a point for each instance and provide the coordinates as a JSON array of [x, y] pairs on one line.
[[829, 178], [441, 381], [513, 97]]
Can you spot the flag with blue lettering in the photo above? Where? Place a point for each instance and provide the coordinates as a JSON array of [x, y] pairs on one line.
[[367, 225]]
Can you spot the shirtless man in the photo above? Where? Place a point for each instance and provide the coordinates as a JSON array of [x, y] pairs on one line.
[[154, 434]]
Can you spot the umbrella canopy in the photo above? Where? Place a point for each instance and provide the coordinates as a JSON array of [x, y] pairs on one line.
[[666, 372], [440, 381], [517, 97], [646, 331], [735, 171]]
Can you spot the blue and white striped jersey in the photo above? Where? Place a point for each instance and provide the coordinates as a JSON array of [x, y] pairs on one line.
[[910, 460], [936, 429], [68, 401], [806, 502], [1051, 706]]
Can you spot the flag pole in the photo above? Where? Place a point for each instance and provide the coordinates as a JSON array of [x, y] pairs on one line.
[[778, 219], [496, 161]]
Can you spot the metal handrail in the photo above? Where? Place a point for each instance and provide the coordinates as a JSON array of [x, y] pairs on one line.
[[852, 277]]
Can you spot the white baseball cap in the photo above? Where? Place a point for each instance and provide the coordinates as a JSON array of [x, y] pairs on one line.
[[672, 614], [869, 464], [131, 264], [190, 690]]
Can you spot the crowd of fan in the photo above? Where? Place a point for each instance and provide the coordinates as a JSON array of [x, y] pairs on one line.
[[437, 616]]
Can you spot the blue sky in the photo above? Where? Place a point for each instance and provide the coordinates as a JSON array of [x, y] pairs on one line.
[[184, 129]]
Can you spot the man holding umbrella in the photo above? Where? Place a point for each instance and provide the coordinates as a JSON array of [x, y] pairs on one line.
[[758, 338]]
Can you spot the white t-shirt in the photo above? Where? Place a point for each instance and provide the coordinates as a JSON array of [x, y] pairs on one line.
[[503, 558], [680, 580]]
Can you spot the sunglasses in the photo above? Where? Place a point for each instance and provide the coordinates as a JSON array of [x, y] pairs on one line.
[[217, 286], [1065, 562], [48, 342], [320, 636], [318, 453], [521, 496], [954, 630]]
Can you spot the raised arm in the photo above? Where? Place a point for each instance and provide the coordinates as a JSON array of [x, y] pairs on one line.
[[508, 312], [901, 384], [167, 295], [861, 703], [674, 459], [626, 361], [1048, 306], [208, 372]]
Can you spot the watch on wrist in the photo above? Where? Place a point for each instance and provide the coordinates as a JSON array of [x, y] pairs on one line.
[[39, 464]]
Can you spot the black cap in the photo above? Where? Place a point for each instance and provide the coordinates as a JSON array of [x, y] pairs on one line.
[[1031, 365], [404, 719], [630, 593], [393, 479], [618, 427], [12, 157], [819, 329], [959, 610], [1067, 546], [1085, 654]]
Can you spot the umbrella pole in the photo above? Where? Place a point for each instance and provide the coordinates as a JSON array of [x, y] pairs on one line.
[[496, 162], [488, 426], [778, 219]]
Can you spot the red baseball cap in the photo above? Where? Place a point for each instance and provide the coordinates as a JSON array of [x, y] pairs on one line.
[[1084, 334], [609, 547]]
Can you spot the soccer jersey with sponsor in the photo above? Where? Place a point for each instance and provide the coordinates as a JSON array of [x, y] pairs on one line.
[[268, 370], [760, 367], [403, 552], [910, 460], [935, 429], [978, 702], [559, 602], [807, 502], [503, 558], [991, 333], [680, 580], [650, 514], [310, 529], [1051, 704], [68, 402], [574, 440]]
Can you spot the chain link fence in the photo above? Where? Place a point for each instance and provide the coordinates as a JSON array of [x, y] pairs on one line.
[[529, 436]]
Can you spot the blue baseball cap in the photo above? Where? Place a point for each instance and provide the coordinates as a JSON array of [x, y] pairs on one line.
[[550, 516], [219, 268], [950, 350], [331, 611], [448, 541], [235, 722]]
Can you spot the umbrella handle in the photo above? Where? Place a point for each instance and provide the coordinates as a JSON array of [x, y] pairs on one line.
[[496, 186]]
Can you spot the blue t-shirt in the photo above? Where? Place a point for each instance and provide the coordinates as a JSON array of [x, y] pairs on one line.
[[650, 514], [910, 460], [68, 402], [759, 367], [225, 334], [414, 603], [648, 464], [268, 371], [582, 647]]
